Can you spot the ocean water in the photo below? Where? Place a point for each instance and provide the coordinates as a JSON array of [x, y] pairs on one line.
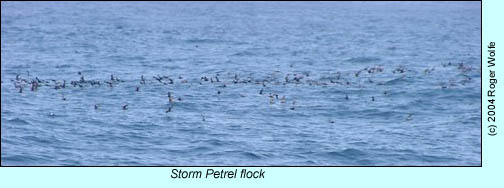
[[251, 83]]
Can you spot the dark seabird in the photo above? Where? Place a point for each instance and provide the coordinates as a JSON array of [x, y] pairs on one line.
[[261, 92], [63, 97], [125, 107], [142, 81], [357, 73], [346, 97], [272, 99], [410, 117], [34, 86], [293, 105], [159, 79], [96, 107], [218, 92], [137, 89], [170, 98], [107, 82], [372, 98]]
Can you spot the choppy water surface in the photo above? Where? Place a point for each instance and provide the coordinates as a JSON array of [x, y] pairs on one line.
[[294, 83]]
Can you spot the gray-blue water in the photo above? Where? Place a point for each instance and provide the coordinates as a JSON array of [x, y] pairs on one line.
[[343, 83]]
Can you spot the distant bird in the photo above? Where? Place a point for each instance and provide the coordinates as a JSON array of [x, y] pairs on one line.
[[125, 107], [170, 98], [357, 73], [96, 107], [261, 92], [34, 86], [218, 92], [272, 99], [63, 97], [293, 105], [107, 82], [142, 81], [410, 117], [137, 89], [372, 98], [346, 97]]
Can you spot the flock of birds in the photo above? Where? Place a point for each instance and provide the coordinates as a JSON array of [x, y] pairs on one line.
[[222, 81]]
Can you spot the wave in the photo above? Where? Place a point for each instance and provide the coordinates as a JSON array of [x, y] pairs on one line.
[[18, 121], [363, 59]]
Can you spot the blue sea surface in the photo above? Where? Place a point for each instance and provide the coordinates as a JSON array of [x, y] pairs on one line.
[[249, 83]]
